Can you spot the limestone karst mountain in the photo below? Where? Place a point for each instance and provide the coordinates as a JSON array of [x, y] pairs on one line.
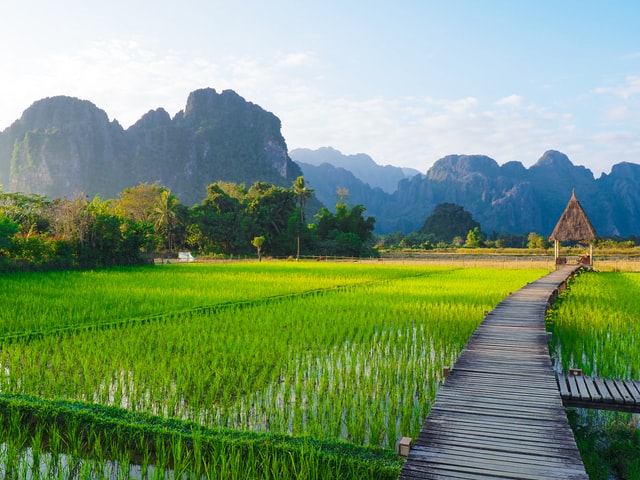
[[63, 146]]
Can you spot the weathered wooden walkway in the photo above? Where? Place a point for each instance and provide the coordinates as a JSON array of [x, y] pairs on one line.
[[499, 413], [600, 393]]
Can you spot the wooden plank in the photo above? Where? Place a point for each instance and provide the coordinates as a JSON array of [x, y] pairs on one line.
[[563, 386], [628, 398], [478, 420], [593, 391], [502, 470], [491, 456], [575, 388], [634, 388], [604, 390], [582, 387], [499, 438], [613, 390]]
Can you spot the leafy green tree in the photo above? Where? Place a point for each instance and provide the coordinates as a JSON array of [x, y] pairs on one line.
[[219, 221], [537, 241], [156, 206], [302, 193], [417, 240], [448, 221], [105, 236], [139, 203], [165, 217], [258, 242], [29, 211], [332, 231], [195, 238], [70, 219], [390, 240], [8, 228], [474, 238], [270, 207]]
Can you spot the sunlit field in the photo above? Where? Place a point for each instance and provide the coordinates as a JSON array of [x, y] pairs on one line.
[[347, 356]]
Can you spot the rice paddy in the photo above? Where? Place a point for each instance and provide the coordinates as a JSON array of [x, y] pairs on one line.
[[596, 328], [346, 354]]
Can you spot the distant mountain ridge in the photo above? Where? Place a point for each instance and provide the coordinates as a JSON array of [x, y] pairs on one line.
[[511, 198], [361, 165], [504, 199], [62, 146]]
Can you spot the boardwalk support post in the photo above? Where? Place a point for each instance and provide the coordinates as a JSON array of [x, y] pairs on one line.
[[404, 446]]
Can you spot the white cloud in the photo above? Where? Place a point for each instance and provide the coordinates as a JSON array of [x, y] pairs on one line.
[[617, 113], [296, 59], [629, 88], [511, 100], [128, 78]]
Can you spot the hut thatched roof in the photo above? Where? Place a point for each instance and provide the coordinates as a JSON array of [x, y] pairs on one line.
[[573, 224]]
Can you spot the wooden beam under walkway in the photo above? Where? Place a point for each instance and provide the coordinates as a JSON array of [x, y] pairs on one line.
[[499, 413]]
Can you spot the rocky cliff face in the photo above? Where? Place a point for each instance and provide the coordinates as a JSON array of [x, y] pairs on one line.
[[511, 198], [62, 146], [504, 199]]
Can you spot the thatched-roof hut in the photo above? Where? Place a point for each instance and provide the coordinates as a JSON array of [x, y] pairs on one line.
[[574, 225]]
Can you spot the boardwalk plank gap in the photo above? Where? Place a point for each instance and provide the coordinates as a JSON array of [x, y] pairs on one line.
[[500, 412]]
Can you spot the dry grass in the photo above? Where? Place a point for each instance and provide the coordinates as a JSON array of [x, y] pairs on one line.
[[605, 262]]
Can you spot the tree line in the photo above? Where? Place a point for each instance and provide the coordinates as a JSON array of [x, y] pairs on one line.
[[451, 226], [147, 220]]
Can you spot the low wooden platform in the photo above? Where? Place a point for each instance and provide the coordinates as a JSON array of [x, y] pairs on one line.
[[499, 413], [599, 393]]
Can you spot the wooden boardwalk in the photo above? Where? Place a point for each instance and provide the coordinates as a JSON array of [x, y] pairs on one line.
[[499, 413], [600, 393]]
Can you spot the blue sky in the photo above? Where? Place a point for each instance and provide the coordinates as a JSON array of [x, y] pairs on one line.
[[406, 82]]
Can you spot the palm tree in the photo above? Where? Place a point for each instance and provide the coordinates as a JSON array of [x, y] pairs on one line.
[[302, 192], [164, 215]]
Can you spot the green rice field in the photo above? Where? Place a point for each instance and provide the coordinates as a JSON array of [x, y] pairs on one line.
[[596, 327], [231, 370]]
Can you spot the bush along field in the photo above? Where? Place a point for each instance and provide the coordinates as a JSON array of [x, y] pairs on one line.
[[596, 327], [261, 370]]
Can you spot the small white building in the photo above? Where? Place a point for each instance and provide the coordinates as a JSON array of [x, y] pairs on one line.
[[185, 257]]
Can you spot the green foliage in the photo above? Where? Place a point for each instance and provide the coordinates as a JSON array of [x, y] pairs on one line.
[[302, 193], [346, 233], [29, 211], [609, 443], [8, 228], [448, 221], [258, 242], [474, 238], [148, 218], [537, 241]]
